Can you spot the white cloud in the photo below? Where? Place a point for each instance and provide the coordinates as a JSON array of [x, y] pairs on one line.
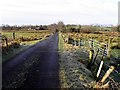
[[50, 11]]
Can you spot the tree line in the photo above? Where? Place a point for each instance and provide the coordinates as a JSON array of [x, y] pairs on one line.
[[60, 26], [24, 27]]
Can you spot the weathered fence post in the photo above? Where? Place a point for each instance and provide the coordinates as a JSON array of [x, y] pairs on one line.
[[91, 54], [92, 44], [112, 67], [14, 35], [95, 57], [75, 42], [101, 65], [108, 49], [6, 40], [107, 73], [100, 68]]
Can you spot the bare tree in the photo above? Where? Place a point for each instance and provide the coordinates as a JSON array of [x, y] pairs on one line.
[[61, 26], [52, 27]]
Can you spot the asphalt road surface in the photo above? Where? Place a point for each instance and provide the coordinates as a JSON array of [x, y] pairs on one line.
[[36, 67]]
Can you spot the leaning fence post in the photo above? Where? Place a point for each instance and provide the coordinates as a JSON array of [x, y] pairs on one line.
[[101, 64], [99, 70], [107, 73]]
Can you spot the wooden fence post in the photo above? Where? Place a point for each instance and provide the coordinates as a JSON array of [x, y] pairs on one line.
[[6, 40], [14, 35], [100, 68], [95, 57], [81, 42], [108, 49], [91, 54], [107, 73], [92, 44], [101, 65], [75, 43]]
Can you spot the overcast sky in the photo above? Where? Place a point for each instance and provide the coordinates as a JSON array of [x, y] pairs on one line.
[[51, 11]]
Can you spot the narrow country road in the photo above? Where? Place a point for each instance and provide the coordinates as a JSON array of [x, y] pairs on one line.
[[37, 67]]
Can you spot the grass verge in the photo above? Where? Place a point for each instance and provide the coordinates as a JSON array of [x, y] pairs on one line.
[[61, 43], [14, 51], [73, 73]]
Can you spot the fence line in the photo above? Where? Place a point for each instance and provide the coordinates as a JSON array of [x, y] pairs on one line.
[[101, 48]]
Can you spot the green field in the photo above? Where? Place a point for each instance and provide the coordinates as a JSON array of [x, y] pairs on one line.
[[23, 45], [24, 34]]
